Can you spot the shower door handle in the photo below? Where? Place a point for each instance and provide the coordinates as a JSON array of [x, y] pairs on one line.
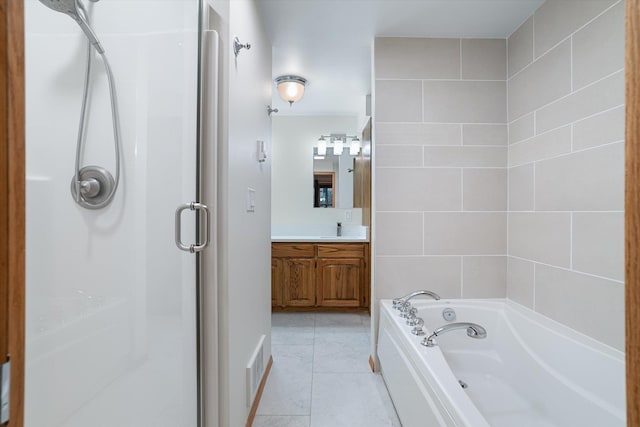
[[193, 206]]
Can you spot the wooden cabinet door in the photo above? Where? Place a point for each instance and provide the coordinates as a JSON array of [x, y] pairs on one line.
[[340, 282], [276, 282], [299, 283]]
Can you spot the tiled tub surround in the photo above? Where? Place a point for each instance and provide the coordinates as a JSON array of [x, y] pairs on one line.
[[320, 375], [441, 166], [566, 166], [500, 166]]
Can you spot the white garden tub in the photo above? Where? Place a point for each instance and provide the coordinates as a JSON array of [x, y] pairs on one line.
[[529, 371]]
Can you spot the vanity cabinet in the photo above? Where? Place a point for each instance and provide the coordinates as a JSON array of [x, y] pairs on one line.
[[316, 276]]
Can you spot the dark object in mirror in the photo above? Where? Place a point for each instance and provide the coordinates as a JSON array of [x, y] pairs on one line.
[[324, 189]]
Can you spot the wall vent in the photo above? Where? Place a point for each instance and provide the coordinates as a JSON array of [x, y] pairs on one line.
[[255, 370]]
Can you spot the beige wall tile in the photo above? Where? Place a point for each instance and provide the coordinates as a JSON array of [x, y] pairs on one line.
[[465, 233], [599, 129], [464, 102], [542, 237], [520, 276], [598, 48], [598, 97], [484, 277], [418, 189], [398, 233], [557, 19], [546, 80], [598, 243], [520, 47], [484, 189], [591, 180], [544, 146], [521, 188], [587, 304], [397, 276], [398, 155], [484, 134], [398, 101], [522, 128], [418, 133], [484, 59], [417, 58], [465, 156]]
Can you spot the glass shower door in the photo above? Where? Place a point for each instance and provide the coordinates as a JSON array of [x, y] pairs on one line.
[[111, 302]]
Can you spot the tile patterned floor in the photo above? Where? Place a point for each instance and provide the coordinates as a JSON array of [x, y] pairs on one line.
[[321, 376]]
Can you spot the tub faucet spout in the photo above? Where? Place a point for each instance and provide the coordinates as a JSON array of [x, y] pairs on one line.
[[398, 302], [473, 330]]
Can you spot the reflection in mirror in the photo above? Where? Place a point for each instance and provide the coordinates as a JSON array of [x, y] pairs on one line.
[[324, 184], [332, 179]]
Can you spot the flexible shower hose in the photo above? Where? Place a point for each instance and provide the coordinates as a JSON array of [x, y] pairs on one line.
[[82, 126]]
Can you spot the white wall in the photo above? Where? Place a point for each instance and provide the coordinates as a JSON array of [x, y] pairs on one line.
[[244, 238], [292, 180]]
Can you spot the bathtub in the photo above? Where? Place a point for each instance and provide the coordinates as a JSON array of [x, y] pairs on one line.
[[529, 371]]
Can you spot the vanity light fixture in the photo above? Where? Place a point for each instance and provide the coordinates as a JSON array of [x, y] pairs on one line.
[[339, 142], [291, 88]]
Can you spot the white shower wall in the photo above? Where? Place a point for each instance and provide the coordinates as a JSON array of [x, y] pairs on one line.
[[110, 299]]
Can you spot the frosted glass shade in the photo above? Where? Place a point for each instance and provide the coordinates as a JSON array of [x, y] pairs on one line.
[[291, 88], [337, 147], [322, 147]]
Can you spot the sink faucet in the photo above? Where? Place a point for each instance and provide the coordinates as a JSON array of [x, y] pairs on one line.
[[339, 229], [398, 302], [473, 330]]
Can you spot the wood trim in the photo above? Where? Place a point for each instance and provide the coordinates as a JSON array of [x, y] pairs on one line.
[[318, 309], [256, 401], [632, 211], [12, 185], [372, 364]]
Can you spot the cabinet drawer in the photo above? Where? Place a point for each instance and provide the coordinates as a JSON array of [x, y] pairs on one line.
[[289, 250], [342, 250]]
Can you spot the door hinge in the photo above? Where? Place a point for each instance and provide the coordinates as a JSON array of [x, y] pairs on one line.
[[5, 388]]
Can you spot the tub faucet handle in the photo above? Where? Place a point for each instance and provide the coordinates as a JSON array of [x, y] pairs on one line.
[[412, 316], [417, 329], [404, 310]]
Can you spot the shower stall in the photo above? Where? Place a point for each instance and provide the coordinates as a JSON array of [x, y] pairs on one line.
[[112, 329]]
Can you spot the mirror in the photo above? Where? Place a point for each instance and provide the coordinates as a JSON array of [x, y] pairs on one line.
[[333, 179]]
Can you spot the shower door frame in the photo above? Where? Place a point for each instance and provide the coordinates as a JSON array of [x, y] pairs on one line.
[[12, 201]]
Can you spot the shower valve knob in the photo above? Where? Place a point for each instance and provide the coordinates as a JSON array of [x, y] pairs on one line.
[[90, 187]]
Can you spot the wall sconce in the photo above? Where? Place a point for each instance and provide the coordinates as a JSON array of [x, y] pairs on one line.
[[291, 88], [338, 140]]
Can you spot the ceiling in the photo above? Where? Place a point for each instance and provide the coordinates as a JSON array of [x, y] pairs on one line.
[[329, 42]]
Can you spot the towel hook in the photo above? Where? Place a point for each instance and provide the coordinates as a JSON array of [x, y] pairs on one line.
[[237, 46]]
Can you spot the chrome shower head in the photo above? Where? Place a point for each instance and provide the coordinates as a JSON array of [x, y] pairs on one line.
[[73, 8]]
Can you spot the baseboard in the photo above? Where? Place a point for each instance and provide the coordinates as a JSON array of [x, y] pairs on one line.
[[256, 401]]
